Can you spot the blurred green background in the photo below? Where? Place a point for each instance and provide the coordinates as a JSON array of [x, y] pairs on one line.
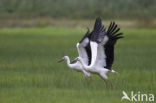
[[35, 34], [120, 9], [28, 13]]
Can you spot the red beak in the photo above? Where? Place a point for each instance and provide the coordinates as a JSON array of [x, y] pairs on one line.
[[61, 60], [75, 60]]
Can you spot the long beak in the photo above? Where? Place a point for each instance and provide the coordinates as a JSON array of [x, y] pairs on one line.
[[61, 60], [75, 60]]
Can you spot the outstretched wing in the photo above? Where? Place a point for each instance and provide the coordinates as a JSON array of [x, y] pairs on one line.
[[105, 50], [98, 31], [113, 36], [83, 48], [96, 38]]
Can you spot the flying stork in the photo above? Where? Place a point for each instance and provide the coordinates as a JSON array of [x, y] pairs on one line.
[[102, 49], [84, 52]]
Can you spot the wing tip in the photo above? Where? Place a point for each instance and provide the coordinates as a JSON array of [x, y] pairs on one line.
[[98, 23]]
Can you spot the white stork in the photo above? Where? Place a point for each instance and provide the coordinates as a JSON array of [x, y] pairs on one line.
[[102, 49], [84, 52]]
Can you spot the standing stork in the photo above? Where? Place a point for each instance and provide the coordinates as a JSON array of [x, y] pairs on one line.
[[102, 52], [84, 52]]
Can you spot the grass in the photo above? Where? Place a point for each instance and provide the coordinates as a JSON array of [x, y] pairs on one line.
[[29, 72]]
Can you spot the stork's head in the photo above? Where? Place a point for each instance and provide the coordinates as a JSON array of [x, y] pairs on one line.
[[63, 59], [76, 59]]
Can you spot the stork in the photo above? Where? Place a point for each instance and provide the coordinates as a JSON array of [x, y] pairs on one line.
[[84, 52], [102, 49]]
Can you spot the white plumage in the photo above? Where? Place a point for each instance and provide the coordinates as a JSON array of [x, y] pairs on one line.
[[102, 51], [82, 54], [96, 51]]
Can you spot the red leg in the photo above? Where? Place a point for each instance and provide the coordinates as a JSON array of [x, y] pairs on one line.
[[106, 83], [92, 79], [111, 84], [86, 79]]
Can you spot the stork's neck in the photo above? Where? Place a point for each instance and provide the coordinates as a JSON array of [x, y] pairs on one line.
[[85, 67], [68, 61], [94, 46]]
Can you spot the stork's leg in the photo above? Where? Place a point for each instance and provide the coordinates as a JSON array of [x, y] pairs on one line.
[[104, 78], [92, 79], [111, 84], [86, 79], [85, 75], [106, 83]]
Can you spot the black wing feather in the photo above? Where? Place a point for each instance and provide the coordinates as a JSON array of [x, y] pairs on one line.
[[109, 46], [98, 31], [88, 50]]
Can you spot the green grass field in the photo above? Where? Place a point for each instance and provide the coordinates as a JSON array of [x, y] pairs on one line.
[[29, 72]]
